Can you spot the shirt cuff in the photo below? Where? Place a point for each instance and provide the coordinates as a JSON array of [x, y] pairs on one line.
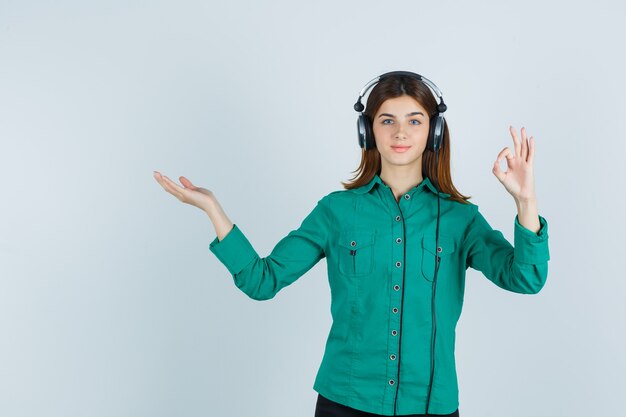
[[531, 247], [234, 250]]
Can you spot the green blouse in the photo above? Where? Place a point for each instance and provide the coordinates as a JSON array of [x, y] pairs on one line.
[[380, 255]]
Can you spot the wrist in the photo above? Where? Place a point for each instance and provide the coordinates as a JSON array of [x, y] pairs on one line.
[[212, 207], [526, 202], [527, 214], [222, 224]]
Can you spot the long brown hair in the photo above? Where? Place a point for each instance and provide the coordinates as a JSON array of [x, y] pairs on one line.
[[397, 86]]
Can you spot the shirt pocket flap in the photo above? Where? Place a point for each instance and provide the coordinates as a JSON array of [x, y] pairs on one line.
[[446, 244], [356, 239]]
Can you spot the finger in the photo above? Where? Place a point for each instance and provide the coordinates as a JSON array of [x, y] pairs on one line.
[[516, 141], [186, 183], [157, 176], [172, 187], [172, 184], [524, 147], [167, 187], [531, 150], [506, 152], [497, 171]]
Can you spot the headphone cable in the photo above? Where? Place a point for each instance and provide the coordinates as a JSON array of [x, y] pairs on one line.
[[434, 332]]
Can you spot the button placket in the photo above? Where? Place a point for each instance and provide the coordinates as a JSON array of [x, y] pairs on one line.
[[398, 253]]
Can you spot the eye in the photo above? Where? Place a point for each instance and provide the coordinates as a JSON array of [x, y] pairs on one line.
[[387, 121], [415, 122]]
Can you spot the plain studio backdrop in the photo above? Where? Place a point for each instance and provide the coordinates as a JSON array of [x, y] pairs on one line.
[[111, 303]]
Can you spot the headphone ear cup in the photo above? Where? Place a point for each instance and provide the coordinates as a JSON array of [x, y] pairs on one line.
[[360, 130], [435, 133], [364, 132]]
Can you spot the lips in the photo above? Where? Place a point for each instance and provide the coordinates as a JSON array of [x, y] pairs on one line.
[[400, 148]]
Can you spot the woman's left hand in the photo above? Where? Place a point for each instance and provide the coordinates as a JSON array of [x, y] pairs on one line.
[[518, 179]]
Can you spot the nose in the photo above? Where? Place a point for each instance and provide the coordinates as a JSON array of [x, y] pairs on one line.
[[400, 132]]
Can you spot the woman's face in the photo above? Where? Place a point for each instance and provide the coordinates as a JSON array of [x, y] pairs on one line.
[[401, 130]]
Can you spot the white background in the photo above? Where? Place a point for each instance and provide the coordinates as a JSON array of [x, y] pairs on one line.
[[111, 303]]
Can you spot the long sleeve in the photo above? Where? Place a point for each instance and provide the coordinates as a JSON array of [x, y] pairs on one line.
[[522, 268], [296, 253]]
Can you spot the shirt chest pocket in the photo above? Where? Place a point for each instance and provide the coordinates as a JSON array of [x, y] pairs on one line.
[[445, 248], [356, 252]]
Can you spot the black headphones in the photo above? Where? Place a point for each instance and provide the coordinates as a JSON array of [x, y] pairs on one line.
[[437, 121]]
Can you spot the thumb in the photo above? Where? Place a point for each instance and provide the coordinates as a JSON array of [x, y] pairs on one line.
[[187, 183]]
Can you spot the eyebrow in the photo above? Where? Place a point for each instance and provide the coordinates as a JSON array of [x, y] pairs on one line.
[[415, 113]]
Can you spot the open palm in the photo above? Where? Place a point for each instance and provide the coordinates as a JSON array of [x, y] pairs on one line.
[[188, 193], [518, 179]]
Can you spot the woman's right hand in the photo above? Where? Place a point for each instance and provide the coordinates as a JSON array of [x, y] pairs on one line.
[[189, 193]]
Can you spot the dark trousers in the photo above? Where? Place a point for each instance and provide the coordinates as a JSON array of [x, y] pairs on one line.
[[328, 408]]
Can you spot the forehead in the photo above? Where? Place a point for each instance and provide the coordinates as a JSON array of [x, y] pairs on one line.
[[401, 105]]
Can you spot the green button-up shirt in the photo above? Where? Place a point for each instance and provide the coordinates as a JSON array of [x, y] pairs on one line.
[[380, 255]]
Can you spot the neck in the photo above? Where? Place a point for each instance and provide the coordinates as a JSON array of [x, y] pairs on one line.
[[401, 178]]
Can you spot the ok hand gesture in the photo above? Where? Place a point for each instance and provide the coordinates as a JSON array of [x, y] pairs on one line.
[[518, 179]]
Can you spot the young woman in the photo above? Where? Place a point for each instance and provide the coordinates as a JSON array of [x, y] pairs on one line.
[[398, 241]]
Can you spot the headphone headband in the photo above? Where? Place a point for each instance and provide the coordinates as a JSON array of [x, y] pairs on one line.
[[441, 107]]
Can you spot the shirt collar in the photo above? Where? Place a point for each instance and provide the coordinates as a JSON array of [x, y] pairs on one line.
[[364, 189]]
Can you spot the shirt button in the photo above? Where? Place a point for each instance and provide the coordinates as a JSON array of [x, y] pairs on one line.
[[394, 332], [396, 287], [395, 310], [406, 196], [392, 357], [439, 249], [353, 243], [399, 240], [398, 264], [398, 218], [391, 382]]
